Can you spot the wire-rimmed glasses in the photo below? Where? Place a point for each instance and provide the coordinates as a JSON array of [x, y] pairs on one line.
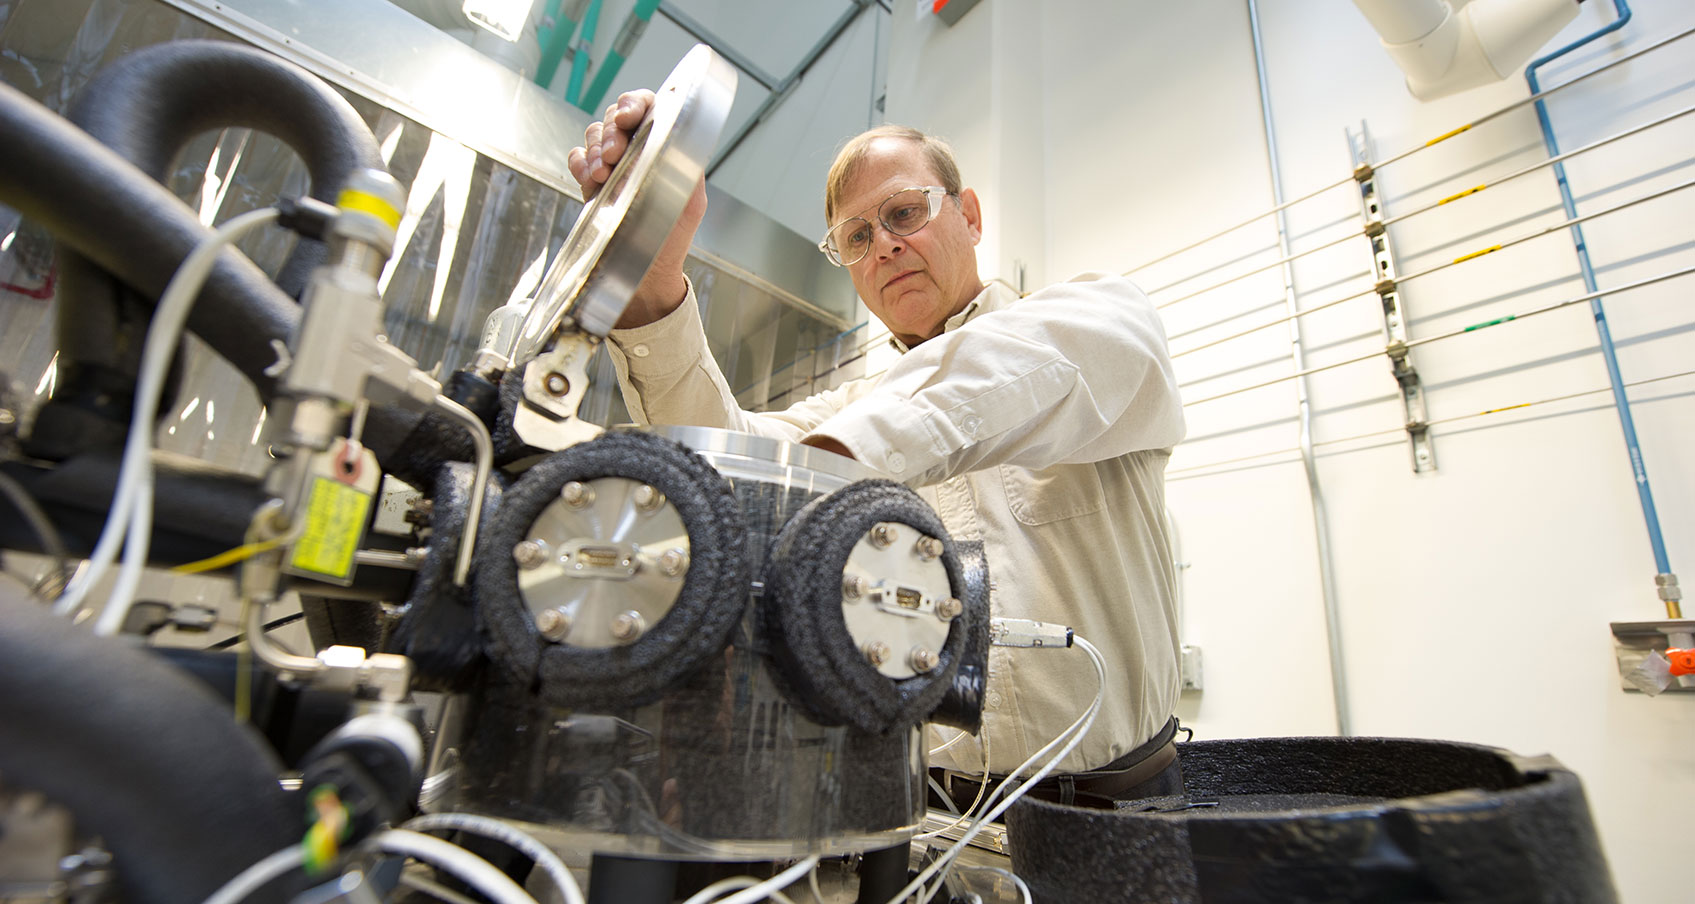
[[902, 213]]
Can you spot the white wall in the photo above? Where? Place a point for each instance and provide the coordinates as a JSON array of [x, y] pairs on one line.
[[1474, 601]]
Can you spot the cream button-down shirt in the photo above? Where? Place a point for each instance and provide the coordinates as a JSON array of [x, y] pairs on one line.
[[1038, 425]]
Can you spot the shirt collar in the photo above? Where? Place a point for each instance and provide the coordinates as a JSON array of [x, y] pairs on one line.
[[995, 296]]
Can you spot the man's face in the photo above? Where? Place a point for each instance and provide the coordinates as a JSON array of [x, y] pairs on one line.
[[912, 283]]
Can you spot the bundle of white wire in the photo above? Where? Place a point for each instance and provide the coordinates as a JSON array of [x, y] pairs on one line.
[[1070, 737], [130, 522]]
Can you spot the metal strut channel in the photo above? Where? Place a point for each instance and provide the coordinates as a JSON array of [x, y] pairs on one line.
[[1387, 276]]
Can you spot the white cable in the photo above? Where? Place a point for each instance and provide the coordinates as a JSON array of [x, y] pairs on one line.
[[982, 785], [1077, 730], [951, 741], [1009, 875], [132, 501], [474, 871], [756, 891], [256, 876], [812, 882], [525, 843]]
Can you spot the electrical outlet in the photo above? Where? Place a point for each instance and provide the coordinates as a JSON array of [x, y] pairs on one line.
[[1191, 668]]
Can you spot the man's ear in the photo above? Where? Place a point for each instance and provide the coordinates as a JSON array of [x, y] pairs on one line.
[[973, 213]]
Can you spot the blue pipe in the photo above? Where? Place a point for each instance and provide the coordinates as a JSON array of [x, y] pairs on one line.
[[1608, 352]]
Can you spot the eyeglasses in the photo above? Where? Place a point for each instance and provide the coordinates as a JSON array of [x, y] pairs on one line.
[[903, 213]]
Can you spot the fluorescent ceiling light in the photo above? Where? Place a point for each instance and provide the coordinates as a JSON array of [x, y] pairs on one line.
[[503, 17]]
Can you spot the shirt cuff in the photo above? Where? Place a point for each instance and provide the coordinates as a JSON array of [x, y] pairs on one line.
[[668, 345], [895, 439]]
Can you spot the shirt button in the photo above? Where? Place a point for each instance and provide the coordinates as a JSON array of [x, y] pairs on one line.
[[993, 699], [640, 351], [970, 424], [897, 462]]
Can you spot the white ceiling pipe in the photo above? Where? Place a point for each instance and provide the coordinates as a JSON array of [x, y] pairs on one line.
[[1443, 50]]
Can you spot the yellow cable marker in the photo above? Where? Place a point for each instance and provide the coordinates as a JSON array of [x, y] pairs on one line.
[[364, 202], [1447, 135], [1466, 257], [1470, 191]]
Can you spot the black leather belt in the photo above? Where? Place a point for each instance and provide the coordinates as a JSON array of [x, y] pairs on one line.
[[1097, 786]]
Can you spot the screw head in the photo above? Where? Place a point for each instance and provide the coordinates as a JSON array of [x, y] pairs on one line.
[[877, 652], [577, 494], [627, 626], [648, 499], [883, 535], [557, 384], [853, 586], [949, 609], [927, 548], [553, 624], [922, 659], [673, 562], [529, 553]]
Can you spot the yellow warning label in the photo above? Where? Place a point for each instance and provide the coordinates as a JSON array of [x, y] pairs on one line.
[[335, 520]]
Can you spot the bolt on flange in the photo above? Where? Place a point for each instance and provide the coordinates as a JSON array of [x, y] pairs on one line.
[[577, 494], [628, 625], [673, 562], [927, 548], [648, 499], [554, 624], [949, 609], [529, 553], [557, 384], [877, 652], [884, 535], [922, 659], [854, 586]]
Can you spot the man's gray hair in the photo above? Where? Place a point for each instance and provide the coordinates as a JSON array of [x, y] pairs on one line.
[[937, 153]]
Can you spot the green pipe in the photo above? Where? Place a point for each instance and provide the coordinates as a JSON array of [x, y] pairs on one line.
[[555, 40], [628, 35], [580, 62]]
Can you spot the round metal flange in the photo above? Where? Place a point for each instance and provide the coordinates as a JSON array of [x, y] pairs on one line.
[[623, 226], [613, 570], [857, 607], [896, 598], [610, 552]]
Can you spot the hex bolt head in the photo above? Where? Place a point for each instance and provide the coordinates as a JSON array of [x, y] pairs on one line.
[[927, 548], [922, 659], [884, 535], [553, 624], [949, 609], [557, 384], [877, 652], [627, 626], [854, 586], [529, 553], [577, 494], [673, 562], [648, 499]]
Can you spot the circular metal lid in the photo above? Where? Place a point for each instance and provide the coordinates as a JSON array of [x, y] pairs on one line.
[[623, 227]]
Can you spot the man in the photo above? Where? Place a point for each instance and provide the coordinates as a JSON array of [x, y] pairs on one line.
[[1040, 426]]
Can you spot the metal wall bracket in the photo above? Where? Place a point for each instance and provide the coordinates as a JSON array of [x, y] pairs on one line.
[[1386, 275]]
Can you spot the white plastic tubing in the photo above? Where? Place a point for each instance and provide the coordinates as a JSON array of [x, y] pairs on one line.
[[1443, 50]]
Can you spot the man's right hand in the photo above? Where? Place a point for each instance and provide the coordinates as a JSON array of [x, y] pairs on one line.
[[605, 142]]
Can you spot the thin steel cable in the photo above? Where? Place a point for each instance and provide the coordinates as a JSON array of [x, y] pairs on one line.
[[1396, 158], [1372, 292], [1539, 165], [1204, 470], [1587, 296]]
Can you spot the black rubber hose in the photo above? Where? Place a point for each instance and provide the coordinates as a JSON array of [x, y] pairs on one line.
[[141, 754], [101, 206], [148, 105]]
